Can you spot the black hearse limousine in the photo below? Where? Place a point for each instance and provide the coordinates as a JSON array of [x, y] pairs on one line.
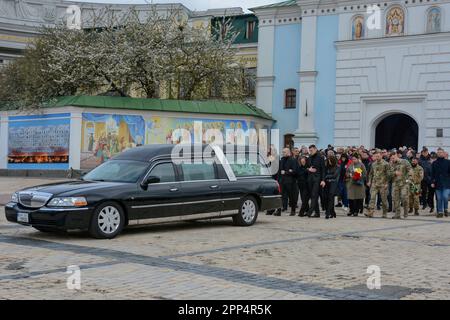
[[148, 185]]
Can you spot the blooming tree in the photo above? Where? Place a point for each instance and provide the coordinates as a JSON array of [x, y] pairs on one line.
[[128, 54]]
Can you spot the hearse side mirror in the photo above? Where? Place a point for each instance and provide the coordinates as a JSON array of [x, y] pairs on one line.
[[150, 180]]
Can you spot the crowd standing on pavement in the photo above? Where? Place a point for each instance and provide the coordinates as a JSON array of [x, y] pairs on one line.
[[397, 181]]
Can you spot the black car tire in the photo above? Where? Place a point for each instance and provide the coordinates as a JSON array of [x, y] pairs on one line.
[[114, 217], [248, 212], [46, 229]]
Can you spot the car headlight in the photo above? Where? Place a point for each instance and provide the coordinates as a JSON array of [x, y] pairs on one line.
[[68, 202], [15, 197]]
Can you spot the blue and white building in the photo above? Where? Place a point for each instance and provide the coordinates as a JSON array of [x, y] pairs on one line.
[[329, 71]]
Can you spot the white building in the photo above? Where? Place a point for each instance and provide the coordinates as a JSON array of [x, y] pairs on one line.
[[342, 72]]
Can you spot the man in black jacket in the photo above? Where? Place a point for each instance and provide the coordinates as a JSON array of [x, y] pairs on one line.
[[287, 178], [427, 191], [316, 177]]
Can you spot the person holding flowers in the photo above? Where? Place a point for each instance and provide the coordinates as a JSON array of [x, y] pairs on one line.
[[355, 177]]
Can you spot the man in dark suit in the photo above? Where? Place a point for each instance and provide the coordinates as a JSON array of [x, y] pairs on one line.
[[287, 178], [316, 179]]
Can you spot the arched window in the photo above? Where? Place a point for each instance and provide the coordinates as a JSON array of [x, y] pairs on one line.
[[434, 20], [395, 21], [358, 28], [290, 98]]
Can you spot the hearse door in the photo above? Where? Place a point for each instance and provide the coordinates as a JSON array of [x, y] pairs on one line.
[[201, 190], [160, 199]]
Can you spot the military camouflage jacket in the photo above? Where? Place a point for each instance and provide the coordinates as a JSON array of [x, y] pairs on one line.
[[379, 174], [417, 174], [405, 168]]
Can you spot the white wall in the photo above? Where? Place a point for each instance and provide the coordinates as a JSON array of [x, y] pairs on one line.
[[400, 71]]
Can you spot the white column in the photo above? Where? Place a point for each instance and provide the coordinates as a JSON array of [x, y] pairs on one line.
[[3, 140], [265, 71], [75, 140], [306, 133]]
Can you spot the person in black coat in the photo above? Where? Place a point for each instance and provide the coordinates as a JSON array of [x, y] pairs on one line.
[[302, 182], [288, 180], [316, 175], [427, 194], [331, 185]]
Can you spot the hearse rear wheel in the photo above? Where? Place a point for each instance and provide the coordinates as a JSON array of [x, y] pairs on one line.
[[107, 221], [248, 212]]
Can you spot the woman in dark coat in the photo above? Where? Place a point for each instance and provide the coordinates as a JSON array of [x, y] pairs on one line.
[[331, 185], [343, 163], [302, 182], [355, 176]]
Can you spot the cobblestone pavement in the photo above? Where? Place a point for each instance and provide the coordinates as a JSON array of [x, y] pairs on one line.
[[278, 258]]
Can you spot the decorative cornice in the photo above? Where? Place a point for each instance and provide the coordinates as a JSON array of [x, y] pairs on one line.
[[393, 41]]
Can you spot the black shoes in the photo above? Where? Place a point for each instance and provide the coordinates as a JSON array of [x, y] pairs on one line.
[[431, 210], [339, 205], [277, 213], [292, 213], [446, 213]]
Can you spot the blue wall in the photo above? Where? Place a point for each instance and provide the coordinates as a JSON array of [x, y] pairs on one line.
[[286, 66], [327, 34]]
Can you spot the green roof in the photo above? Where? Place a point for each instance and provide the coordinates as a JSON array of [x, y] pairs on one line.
[[203, 107], [287, 3]]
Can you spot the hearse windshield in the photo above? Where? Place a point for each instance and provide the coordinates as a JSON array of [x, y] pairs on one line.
[[118, 171]]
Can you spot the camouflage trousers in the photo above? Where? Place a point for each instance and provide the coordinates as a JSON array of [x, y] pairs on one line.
[[414, 200], [400, 196], [374, 190]]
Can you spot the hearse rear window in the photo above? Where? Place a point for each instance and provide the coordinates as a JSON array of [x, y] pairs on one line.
[[198, 171], [250, 168]]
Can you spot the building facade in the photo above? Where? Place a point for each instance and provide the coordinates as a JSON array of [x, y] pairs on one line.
[[356, 72]]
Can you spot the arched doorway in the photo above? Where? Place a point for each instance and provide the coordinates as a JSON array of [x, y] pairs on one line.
[[397, 130]]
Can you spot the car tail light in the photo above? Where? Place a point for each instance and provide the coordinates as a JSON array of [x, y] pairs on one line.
[[279, 187]]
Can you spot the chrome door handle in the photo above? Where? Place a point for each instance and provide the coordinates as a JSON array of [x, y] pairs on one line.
[[214, 187], [173, 189]]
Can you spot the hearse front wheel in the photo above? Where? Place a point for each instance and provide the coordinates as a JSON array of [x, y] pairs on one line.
[[107, 221], [248, 212]]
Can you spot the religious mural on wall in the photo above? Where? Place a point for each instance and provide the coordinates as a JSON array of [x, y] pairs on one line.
[[105, 135], [358, 28], [395, 21], [434, 20], [39, 141], [163, 130]]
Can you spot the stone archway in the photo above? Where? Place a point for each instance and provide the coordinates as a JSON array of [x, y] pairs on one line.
[[396, 130]]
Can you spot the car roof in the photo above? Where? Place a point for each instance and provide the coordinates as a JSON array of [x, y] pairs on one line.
[[148, 152]]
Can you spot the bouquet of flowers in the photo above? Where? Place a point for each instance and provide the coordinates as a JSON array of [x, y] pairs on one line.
[[357, 176], [414, 189]]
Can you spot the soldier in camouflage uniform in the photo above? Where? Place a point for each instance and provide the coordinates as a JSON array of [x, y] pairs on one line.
[[401, 175], [415, 186], [378, 182]]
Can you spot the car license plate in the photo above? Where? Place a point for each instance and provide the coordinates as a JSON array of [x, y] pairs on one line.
[[23, 217]]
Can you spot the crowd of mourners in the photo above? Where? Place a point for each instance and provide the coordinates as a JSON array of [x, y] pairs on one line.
[[360, 181]]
